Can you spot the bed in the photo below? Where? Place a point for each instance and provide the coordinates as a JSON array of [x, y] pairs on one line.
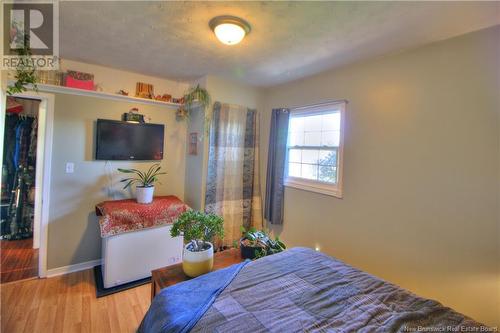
[[299, 290]]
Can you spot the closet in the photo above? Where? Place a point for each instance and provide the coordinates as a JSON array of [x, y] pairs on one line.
[[19, 259]]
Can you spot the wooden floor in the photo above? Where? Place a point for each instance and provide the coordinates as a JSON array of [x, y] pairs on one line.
[[18, 260], [67, 303]]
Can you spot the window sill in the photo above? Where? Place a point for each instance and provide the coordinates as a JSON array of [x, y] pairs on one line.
[[317, 187]]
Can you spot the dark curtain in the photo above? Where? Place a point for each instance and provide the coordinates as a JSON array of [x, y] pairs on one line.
[[275, 192]]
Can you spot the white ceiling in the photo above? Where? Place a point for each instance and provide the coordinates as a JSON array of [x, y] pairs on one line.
[[289, 40]]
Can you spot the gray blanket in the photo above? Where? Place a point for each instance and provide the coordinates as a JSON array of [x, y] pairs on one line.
[[301, 290]]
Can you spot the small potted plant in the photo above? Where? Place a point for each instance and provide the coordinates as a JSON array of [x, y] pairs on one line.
[[25, 71], [255, 244], [198, 230], [144, 189], [196, 96]]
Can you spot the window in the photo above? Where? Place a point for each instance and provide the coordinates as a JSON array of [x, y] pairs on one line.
[[315, 145]]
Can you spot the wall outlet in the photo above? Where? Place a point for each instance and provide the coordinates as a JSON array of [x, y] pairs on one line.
[[70, 167]]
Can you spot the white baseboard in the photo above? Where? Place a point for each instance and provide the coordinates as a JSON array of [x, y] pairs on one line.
[[73, 268]]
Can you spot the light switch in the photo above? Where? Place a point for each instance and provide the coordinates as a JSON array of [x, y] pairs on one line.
[[70, 167]]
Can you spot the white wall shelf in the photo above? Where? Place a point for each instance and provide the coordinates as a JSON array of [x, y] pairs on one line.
[[99, 94]]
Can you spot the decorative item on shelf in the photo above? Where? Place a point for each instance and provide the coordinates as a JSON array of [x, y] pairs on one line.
[[193, 143], [133, 116], [79, 80], [256, 244], [144, 189], [163, 98], [13, 106], [122, 92], [144, 90], [199, 230], [52, 77]]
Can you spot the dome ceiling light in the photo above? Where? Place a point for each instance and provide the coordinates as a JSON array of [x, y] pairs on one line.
[[230, 30]]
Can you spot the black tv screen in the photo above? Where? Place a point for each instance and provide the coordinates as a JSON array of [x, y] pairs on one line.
[[121, 140]]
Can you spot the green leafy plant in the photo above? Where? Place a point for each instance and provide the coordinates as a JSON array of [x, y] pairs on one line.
[[197, 95], [193, 97], [144, 179], [25, 73], [261, 240], [198, 229], [326, 172]]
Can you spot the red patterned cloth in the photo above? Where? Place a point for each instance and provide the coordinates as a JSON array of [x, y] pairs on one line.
[[120, 216]]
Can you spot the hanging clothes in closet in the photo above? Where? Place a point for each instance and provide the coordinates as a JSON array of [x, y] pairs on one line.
[[18, 169]]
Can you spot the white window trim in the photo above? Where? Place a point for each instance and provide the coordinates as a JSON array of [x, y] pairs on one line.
[[335, 190]]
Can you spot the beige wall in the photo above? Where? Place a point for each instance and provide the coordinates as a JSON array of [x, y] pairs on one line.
[[73, 235], [421, 171], [228, 91], [195, 169]]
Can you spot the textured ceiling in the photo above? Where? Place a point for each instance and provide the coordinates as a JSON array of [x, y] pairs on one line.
[[289, 40]]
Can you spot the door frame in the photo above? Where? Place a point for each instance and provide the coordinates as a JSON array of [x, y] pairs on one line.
[[43, 173]]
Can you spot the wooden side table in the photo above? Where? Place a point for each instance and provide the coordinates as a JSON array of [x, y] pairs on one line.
[[170, 275]]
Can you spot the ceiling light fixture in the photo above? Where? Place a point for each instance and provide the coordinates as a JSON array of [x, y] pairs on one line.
[[229, 30]]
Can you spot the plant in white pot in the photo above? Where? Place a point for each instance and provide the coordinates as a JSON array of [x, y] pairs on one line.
[[144, 181], [198, 230]]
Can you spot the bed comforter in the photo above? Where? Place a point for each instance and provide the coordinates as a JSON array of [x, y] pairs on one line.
[[301, 290]]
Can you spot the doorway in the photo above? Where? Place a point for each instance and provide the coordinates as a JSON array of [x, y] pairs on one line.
[[19, 252]]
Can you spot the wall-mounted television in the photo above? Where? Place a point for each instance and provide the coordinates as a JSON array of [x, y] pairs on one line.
[[121, 140]]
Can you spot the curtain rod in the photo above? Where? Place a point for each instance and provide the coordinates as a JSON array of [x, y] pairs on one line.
[[319, 104]]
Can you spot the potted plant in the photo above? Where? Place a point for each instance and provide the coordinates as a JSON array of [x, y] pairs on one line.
[[198, 230], [196, 95], [255, 244], [144, 189], [25, 73]]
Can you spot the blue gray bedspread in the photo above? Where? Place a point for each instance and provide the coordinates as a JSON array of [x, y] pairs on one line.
[[178, 308], [301, 290]]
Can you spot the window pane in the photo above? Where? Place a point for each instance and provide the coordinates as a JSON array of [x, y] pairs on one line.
[[310, 156], [310, 171], [312, 123], [312, 138], [295, 155], [328, 157], [296, 139], [330, 138], [297, 124], [331, 122], [294, 169], [327, 173], [313, 148]]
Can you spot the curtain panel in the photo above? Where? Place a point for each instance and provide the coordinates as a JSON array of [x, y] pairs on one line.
[[275, 191], [233, 189]]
